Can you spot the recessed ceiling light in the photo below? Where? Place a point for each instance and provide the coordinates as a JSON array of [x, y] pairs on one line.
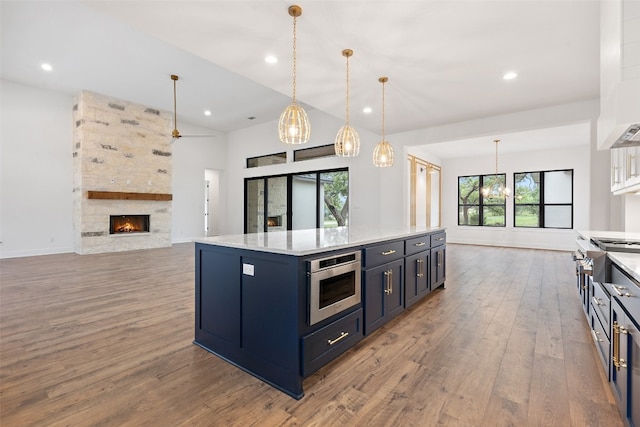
[[46, 67], [367, 110], [510, 75], [207, 112], [270, 59]]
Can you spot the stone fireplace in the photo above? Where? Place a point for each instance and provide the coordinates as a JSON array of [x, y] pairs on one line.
[[122, 170]]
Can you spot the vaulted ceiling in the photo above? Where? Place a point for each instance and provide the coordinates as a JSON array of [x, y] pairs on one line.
[[445, 59]]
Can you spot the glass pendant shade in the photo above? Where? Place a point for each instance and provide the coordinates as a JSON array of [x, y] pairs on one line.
[[383, 155], [347, 143], [293, 126]]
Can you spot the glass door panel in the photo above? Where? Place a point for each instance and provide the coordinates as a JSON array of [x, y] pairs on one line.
[[277, 203], [304, 201], [334, 196], [254, 212]]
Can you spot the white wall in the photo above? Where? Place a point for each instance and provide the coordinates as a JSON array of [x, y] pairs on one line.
[[568, 158], [192, 156], [364, 178], [36, 173], [36, 176]]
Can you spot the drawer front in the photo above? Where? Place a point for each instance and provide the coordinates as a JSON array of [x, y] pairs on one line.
[[626, 292], [438, 239], [602, 342], [601, 305], [417, 244], [327, 343], [382, 254]]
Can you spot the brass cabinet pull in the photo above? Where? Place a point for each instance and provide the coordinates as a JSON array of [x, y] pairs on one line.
[[392, 251], [439, 239], [420, 244], [343, 335], [617, 330], [386, 282], [597, 301], [596, 338], [618, 288], [616, 345], [419, 267]]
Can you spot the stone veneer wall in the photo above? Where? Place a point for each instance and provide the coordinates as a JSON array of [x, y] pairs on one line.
[[119, 146]]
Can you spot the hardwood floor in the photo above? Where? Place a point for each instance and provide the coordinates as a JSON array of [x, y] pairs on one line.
[[107, 340]]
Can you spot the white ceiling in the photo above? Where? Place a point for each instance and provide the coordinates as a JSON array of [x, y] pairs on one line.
[[444, 59]]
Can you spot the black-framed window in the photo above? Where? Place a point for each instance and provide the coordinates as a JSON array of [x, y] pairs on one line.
[[543, 199], [314, 153], [266, 160], [481, 208], [314, 199]]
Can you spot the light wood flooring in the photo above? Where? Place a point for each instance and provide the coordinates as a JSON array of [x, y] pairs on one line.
[[106, 340]]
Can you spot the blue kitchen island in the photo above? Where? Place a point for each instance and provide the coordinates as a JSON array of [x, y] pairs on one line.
[[258, 306]]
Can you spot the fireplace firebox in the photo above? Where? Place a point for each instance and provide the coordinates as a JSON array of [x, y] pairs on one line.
[[119, 224]]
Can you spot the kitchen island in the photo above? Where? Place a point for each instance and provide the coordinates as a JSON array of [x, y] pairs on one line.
[[255, 305]]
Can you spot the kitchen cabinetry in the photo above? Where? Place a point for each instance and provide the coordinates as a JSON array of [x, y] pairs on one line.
[[438, 259], [417, 277], [625, 344], [383, 284], [625, 167], [417, 268]]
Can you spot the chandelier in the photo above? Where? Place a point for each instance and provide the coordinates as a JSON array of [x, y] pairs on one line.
[[293, 126], [347, 142], [494, 188], [383, 153]]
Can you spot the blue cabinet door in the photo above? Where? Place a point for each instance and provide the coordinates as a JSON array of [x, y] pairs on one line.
[[416, 277]]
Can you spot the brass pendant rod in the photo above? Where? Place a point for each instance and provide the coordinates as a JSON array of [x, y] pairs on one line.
[[347, 53], [175, 132], [383, 80]]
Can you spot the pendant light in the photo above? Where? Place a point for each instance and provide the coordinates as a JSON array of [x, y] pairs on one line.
[[496, 190], [347, 142], [383, 153], [294, 127]]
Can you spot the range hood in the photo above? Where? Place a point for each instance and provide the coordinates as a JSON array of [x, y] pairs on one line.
[[627, 135]]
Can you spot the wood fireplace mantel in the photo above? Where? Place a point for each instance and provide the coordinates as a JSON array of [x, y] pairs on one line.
[[119, 195]]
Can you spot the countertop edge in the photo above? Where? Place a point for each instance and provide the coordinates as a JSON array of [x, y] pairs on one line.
[[233, 241]]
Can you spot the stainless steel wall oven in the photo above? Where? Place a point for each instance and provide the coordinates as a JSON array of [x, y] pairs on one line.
[[334, 285]]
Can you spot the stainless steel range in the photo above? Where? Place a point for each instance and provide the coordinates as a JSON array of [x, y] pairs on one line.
[[616, 245]]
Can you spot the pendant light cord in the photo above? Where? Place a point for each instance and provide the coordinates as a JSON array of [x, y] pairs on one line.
[[383, 82], [294, 60], [347, 103]]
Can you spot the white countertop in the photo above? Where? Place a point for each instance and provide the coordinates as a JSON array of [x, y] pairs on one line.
[[591, 234], [307, 242]]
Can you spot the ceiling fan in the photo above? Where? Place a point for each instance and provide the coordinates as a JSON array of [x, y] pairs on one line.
[[175, 134]]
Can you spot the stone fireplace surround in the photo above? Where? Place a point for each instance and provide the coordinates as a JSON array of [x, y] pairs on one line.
[[122, 166]]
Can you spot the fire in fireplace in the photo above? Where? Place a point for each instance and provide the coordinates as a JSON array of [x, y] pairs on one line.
[[128, 224]]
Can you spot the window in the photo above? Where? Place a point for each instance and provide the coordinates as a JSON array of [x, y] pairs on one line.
[[269, 159], [318, 199], [543, 199], [474, 208], [314, 152]]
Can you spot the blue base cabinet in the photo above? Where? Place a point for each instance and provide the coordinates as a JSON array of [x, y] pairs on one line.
[[252, 307]]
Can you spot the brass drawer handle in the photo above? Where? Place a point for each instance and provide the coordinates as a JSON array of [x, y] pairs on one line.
[[596, 338], [420, 244], [597, 301], [392, 251], [343, 335], [621, 288], [439, 239]]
